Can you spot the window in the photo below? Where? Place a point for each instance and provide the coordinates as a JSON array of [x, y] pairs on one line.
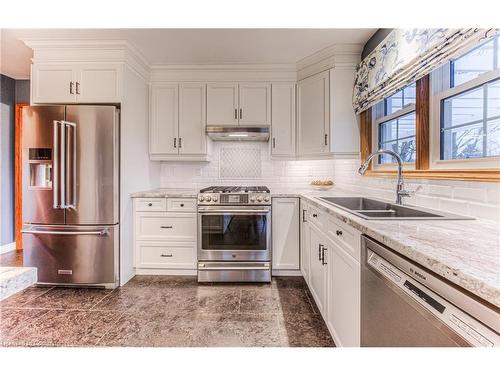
[[396, 129], [470, 110]]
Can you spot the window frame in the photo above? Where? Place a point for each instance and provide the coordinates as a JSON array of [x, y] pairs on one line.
[[436, 113]]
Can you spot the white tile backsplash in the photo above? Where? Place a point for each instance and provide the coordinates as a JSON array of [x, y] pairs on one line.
[[479, 199]]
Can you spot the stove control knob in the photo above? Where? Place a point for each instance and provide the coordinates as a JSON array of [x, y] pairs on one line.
[[259, 198], [208, 198], [215, 198], [266, 199], [201, 198], [252, 199]]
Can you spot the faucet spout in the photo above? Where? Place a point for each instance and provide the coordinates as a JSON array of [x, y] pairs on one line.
[[400, 192]]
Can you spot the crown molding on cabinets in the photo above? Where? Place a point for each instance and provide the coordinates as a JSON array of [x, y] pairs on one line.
[[335, 56], [89, 51], [224, 73]]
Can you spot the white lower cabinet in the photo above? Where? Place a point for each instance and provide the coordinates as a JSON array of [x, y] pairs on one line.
[[318, 271], [165, 235], [285, 223], [332, 271], [304, 241], [344, 292]]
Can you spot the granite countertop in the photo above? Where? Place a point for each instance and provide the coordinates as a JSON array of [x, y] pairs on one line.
[[465, 252]]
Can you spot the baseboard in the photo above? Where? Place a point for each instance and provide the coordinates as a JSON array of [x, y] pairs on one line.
[[286, 273], [7, 248], [160, 271]]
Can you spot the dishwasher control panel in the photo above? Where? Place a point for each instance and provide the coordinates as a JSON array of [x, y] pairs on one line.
[[471, 330]]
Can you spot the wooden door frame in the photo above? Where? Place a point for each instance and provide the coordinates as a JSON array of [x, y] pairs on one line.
[[18, 176]]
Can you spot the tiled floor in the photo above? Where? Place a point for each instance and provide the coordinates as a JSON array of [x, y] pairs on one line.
[[165, 311]]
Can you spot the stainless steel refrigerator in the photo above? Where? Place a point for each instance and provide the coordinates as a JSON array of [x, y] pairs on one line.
[[71, 194]]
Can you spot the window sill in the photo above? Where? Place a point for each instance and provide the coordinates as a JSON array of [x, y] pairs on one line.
[[485, 175]]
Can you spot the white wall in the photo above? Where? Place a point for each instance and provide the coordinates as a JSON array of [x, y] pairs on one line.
[[479, 199], [137, 172]]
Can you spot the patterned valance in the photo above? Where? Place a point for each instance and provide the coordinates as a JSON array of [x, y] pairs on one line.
[[406, 55]]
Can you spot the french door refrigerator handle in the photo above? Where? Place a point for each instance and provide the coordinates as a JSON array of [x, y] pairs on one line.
[[69, 164], [56, 194], [102, 232]]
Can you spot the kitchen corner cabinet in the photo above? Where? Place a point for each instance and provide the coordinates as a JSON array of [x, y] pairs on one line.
[[285, 223], [243, 104], [177, 122], [283, 120], [313, 115], [76, 83]]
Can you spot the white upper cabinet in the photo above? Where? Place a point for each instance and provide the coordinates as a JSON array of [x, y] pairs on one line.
[[254, 104], [76, 83], [164, 120], [313, 115], [286, 239], [283, 119], [222, 104], [192, 119], [98, 84], [177, 122], [244, 104], [53, 83]]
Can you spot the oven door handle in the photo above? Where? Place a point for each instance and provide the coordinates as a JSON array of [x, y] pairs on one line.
[[232, 268], [234, 211]]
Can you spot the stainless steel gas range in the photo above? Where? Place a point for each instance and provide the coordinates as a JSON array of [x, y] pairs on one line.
[[234, 234]]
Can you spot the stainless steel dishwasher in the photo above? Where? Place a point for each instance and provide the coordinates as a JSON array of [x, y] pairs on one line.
[[405, 305]]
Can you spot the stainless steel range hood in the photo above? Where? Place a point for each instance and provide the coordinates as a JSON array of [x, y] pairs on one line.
[[238, 133]]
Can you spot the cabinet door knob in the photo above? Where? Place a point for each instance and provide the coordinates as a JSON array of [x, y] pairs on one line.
[[182, 204], [315, 215], [150, 204], [339, 233]]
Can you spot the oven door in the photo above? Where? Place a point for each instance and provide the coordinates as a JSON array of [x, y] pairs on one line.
[[234, 233]]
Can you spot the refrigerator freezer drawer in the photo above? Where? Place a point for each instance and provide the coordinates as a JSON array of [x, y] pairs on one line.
[[73, 255]]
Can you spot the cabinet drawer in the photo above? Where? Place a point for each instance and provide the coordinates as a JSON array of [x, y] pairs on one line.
[[166, 255], [181, 204], [316, 217], [166, 227], [150, 204], [345, 237]]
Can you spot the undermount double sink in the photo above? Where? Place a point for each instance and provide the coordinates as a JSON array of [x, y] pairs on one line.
[[372, 209]]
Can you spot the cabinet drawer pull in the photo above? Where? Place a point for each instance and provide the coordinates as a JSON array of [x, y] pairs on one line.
[[166, 227], [180, 142], [326, 139], [78, 88], [241, 113], [339, 233], [150, 204], [71, 87], [304, 216], [319, 251], [166, 255], [274, 142], [323, 256], [175, 142], [236, 113]]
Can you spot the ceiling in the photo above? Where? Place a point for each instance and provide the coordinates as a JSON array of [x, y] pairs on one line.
[[189, 46]]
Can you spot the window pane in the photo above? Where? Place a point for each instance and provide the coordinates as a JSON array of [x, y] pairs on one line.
[[400, 99], [406, 125], [407, 149], [463, 143], [493, 138], [388, 131], [398, 135], [493, 102], [463, 108], [474, 63]]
